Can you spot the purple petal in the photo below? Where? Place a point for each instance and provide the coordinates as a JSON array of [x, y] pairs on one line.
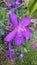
[[10, 51], [21, 55], [18, 1], [10, 54], [13, 5], [10, 36], [27, 33], [34, 46], [9, 46], [13, 19], [8, 6], [19, 40], [25, 21]]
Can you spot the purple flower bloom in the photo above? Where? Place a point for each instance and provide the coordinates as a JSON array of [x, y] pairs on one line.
[[20, 30], [34, 46]]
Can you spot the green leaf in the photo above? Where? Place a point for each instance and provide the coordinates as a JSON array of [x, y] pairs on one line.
[[35, 14], [4, 14], [1, 17], [2, 32], [34, 9], [31, 7]]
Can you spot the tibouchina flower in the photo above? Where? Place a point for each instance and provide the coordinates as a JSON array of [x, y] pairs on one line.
[[20, 31]]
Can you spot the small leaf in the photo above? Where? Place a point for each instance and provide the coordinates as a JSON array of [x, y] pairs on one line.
[[34, 8], [4, 14], [2, 32], [31, 7]]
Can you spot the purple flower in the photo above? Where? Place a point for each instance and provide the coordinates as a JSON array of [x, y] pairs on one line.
[[21, 55], [16, 3], [20, 30], [34, 46]]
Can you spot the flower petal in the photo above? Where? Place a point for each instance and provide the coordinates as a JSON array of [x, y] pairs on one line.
[[25, 21], [9, 46], [13, 19], [16, 3], [10, 54], [10, 51], [10, 36], [13, 5], [27, 33], [34, 46], [19, 40]]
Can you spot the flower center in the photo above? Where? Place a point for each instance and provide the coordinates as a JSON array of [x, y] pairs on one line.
[[21, 29]]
